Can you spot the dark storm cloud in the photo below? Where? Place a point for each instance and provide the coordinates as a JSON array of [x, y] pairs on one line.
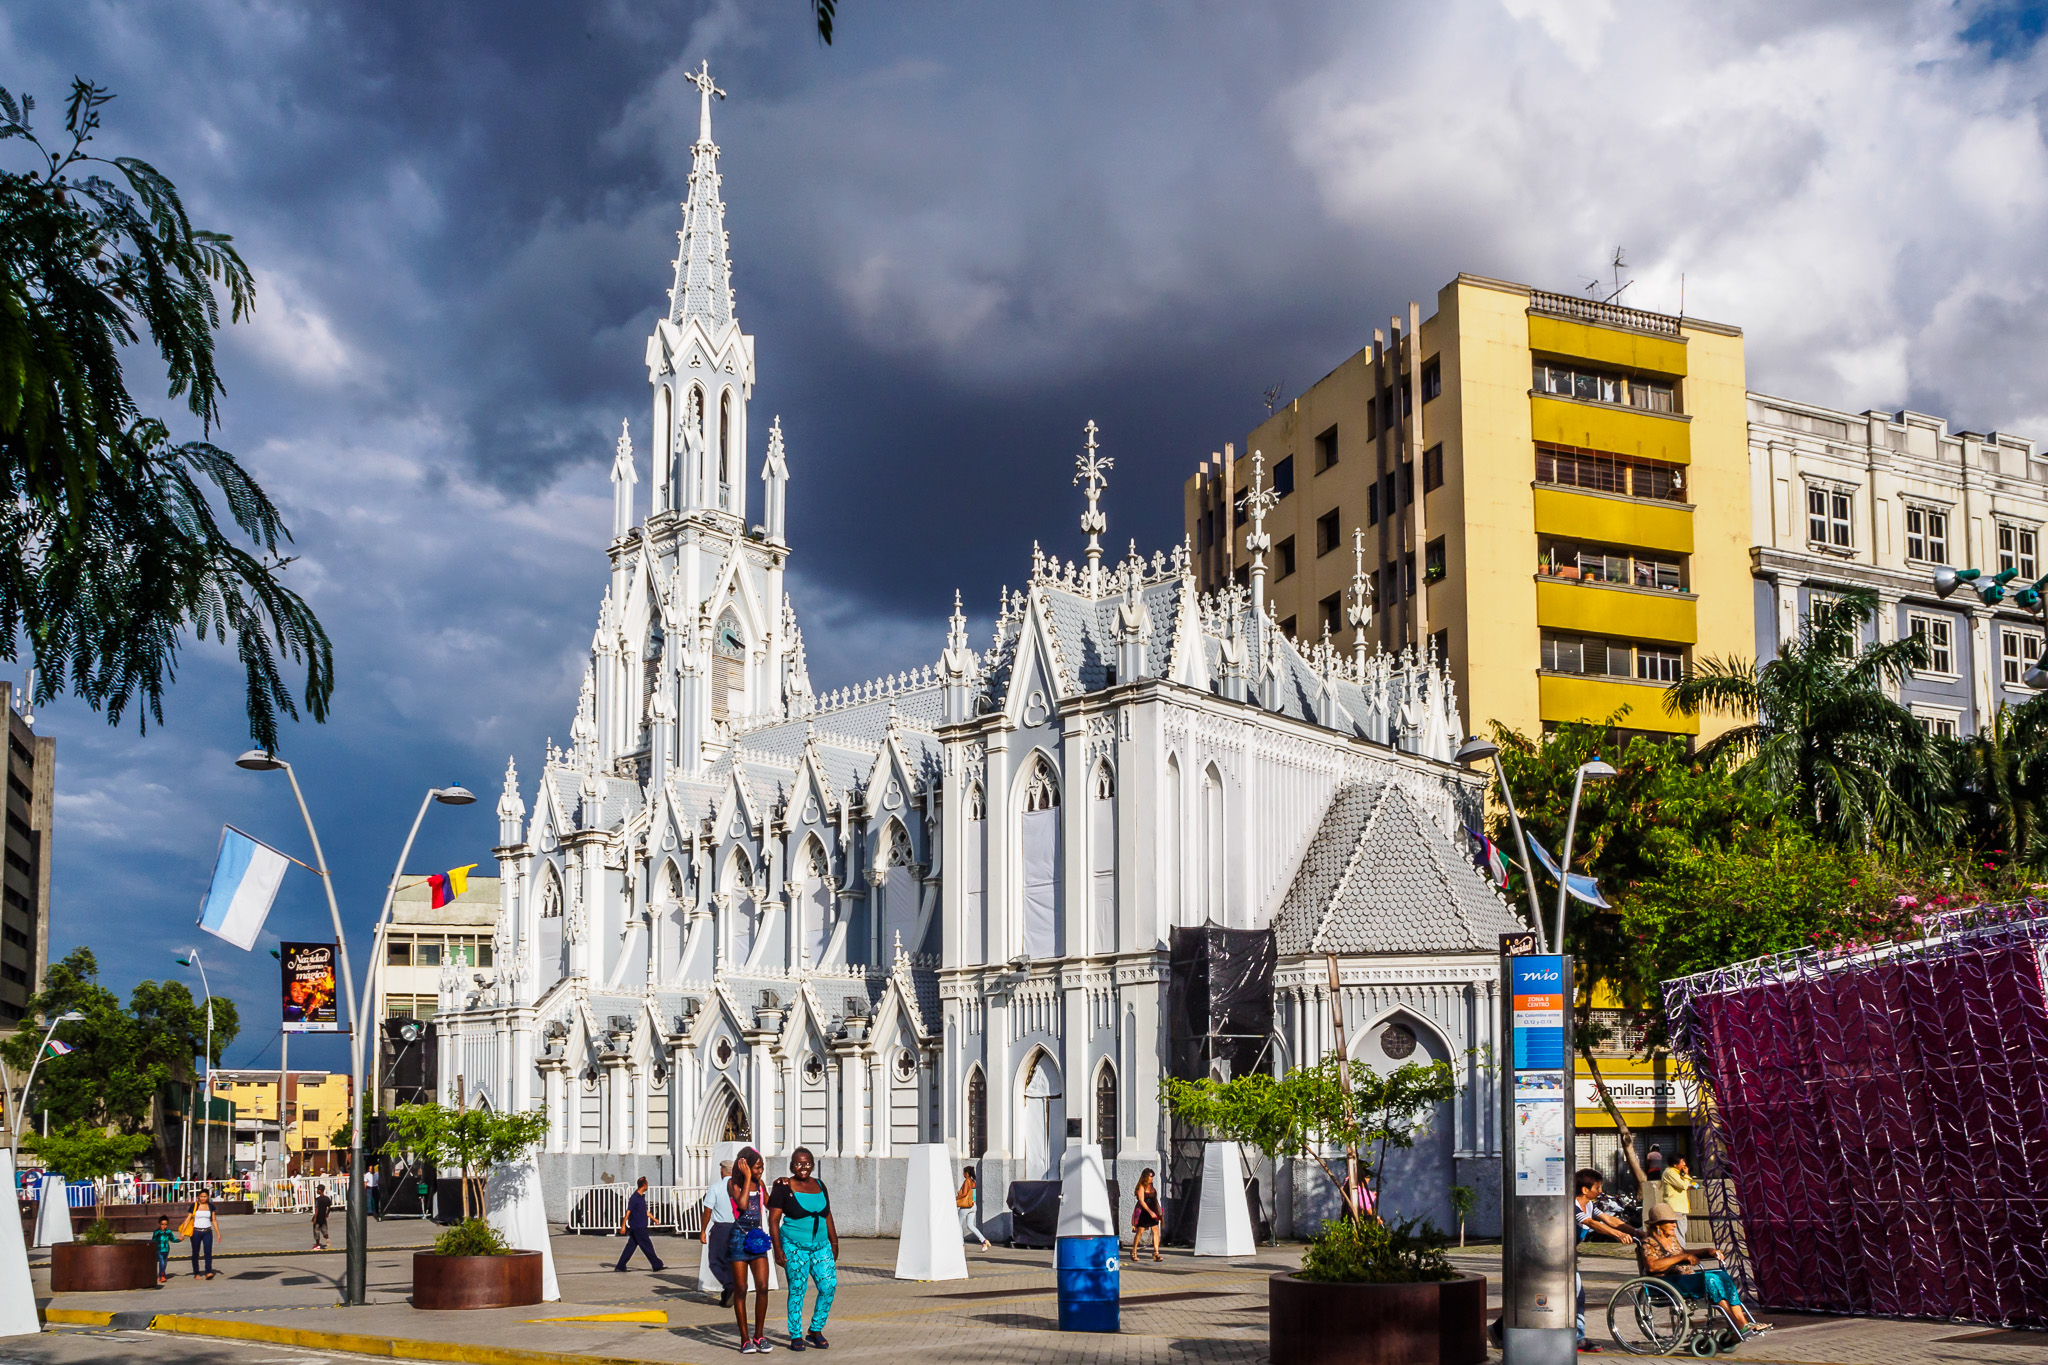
[[958, 234]]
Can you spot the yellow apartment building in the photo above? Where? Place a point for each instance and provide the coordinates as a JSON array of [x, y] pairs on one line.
[[1552, 492], [316, 1103]]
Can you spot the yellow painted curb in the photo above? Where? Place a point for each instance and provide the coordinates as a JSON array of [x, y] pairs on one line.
[[466, 1353], [79, 1317], [653, 1315]]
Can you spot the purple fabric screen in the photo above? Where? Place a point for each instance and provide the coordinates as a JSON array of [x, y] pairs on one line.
[[1875, 1133]]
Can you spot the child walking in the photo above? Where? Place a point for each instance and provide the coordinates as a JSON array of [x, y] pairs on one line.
[[164, 1238]]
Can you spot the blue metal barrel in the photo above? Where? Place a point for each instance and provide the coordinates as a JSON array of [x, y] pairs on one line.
[[1087, 1271]]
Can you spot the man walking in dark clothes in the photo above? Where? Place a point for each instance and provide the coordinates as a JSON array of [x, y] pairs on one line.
[[633, 1227]]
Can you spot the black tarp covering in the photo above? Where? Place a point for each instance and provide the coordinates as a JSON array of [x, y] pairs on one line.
[[1034, 1212], [1219, 999]]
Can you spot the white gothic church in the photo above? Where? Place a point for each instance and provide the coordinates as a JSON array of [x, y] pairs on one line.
[[935, 907]]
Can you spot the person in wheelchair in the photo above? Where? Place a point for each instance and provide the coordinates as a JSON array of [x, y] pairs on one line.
[[1663, 1254]]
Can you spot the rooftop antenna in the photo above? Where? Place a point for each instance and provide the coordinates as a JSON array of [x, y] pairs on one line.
[[1272, 397], [1620, 263]]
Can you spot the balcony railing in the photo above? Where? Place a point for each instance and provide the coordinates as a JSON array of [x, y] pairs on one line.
[[1603, 314]]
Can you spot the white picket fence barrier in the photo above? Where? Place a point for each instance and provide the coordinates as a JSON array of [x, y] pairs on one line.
[[115, 1192], [601, 1208]]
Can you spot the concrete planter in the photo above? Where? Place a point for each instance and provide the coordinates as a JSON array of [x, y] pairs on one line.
[[1441, 1322], [81, 1268], [510, 1281]]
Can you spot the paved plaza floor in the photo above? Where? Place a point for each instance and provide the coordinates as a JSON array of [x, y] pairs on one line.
[[1186, 1309]]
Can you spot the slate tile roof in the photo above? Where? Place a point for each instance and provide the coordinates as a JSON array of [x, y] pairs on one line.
[[1382, 876]]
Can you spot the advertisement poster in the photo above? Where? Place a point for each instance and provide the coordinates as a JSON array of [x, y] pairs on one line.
[[310, 996]]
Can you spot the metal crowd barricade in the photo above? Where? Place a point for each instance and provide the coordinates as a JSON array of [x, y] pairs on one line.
[[601, 1208]]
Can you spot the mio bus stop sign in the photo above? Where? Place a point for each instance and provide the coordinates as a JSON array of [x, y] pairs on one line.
[[1539, 1231]]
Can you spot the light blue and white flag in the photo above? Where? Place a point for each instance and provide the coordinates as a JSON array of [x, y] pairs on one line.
[[245, 879], [1579, 886]]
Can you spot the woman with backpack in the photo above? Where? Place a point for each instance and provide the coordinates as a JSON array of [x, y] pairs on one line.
[[806, 1245], [749, 1244]]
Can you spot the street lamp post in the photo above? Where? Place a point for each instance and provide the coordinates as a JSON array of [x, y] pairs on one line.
[[14, 1134], [358, 1208], [1471, 751], [256, 760], [1991, 589], [206, 1135], [1598, 772]]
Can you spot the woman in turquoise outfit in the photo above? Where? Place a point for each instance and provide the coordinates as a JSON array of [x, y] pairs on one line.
[[806, 1245]]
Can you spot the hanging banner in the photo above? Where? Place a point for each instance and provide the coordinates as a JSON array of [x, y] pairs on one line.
[[310, 997]]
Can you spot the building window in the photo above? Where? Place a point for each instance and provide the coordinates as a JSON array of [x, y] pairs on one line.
[[1283, 477], [1326, 450], [1827, 517], [1434, 563], [1238, 515], [1433, 468], [2017, 652], [1658, 665], [309, 1115], [1328, 533], [398, 952], [1589, 385], [2016, 549], [1330, 613], [1408, 483], [1408, 574], [1940, 724], [1440, 645], [1372, 505], [1610, 474], [1432, 378], [1287, 626], [428, 955], [1937, 636], [1283, 554], [1603, 564], [1926, 534]]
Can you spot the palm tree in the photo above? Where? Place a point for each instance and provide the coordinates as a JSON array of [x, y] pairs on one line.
[[1821, 728], [1999, 774]]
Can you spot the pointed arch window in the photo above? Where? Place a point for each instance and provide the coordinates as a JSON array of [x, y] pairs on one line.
[[728, 670], [900, 890], [664, 445], [1043, 907], [974, 876], [1176, 899], [1105, 1113], [554, 950], [816, 900], [1102, 860], [725, 449], [1212, 845], [977, 1114]]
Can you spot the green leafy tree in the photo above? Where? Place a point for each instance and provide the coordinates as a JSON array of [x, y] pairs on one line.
[[83, 1152], [113, 550], [1308, 1110], [1819, 730], [473, 1140], [120, 1058], [2001, 785]]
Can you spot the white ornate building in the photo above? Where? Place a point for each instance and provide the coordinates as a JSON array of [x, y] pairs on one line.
[[936, 906]]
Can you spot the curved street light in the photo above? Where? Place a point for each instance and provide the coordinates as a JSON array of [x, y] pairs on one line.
[[14, 1137], [358, 1208], [206, 1130], [1595, 771], [1992, 589], [1471, 751], [259, 761]]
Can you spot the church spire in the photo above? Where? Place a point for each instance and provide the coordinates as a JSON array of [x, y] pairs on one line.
[[703, 287]]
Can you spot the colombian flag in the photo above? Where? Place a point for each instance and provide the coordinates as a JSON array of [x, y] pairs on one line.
[[448, 885]]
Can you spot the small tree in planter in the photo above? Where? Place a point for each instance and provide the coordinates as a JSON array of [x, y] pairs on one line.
[[472, 1140], [97, 1260], [1367, 1289], [1463, 1200]]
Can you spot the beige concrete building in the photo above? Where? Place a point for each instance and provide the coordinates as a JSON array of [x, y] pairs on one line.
[[31, 764]]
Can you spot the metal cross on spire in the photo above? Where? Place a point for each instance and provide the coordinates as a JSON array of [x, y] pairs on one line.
[[1091, 473], [701, 78], [1257, 503]]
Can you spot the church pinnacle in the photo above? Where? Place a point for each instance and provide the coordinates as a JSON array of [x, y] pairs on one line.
[[703, 287]]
